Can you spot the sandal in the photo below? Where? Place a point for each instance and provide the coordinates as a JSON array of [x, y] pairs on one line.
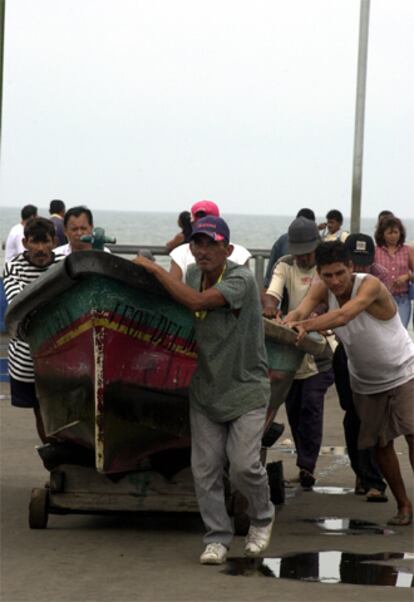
[[376, 496], [401, 519]]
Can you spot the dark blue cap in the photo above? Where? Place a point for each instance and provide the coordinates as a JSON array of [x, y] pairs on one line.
[[212, 226]]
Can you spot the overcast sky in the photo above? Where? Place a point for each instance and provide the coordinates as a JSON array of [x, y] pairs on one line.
[[152, 105]]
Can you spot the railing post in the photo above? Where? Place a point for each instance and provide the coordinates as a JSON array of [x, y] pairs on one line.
[[259, 270]]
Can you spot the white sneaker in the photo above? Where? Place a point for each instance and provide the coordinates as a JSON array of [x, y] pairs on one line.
[[258, 538], [215, 553]]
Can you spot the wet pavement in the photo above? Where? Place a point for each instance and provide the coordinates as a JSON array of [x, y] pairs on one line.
[[328, 544], [330, 567], [347, 526]]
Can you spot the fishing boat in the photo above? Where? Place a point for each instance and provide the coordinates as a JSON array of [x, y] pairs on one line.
[[114, 354]]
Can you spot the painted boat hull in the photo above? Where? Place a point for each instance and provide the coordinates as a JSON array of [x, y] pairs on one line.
[[114, 355]]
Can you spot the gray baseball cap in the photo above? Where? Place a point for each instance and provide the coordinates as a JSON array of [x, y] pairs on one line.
[[303, 236]]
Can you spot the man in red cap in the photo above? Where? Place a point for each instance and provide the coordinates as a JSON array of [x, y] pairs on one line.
[[182, 257]]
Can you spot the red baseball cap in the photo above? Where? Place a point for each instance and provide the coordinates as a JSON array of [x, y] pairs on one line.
[[207, 207]]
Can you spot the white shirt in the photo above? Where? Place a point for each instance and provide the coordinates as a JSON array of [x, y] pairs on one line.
[[380, 352], [297, 281], [14, 244], [183, 257], [67, 249], [340, 234]]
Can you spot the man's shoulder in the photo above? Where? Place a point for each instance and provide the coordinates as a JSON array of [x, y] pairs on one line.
[[240, 254], [16, 229], [17, 261], [62, 250], [232, 267], [286, 260], [284, 266], [180, 252], [281, 241], [365, 283], [236, 270]]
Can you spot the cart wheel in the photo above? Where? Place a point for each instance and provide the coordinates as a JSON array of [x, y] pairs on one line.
[[241, 519], [39, 508]]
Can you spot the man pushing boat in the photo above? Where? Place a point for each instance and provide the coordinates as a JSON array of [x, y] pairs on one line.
[[24, 268], [380, 354], [229, 392]]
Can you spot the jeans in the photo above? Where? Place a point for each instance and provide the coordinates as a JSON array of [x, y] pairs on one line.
[[304, 408], [404, 308]]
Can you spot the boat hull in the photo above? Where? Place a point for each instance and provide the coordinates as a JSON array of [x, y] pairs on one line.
[[114, 355]]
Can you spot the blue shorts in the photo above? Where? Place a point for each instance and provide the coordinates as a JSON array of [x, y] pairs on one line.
[[23, 395]]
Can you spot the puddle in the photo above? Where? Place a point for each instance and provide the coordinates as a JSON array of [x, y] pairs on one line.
[[284, 450], [327, 567], [293, 487], [333, 451], [333, 490], [347, 526]]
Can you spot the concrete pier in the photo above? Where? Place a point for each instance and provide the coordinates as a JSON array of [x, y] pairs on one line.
[[154, 557]]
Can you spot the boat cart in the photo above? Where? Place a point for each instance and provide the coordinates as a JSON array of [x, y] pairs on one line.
[[73, 488]]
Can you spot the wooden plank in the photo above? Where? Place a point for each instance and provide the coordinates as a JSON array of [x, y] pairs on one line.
[[93, 502], [86, 489]]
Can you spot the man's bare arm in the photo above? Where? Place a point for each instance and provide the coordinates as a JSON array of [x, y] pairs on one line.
[[194, 300], [316, 295], [175, 271], [368, 292]]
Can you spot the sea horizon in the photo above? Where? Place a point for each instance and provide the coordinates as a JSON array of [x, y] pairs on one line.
[[45, 210], [155, 228]]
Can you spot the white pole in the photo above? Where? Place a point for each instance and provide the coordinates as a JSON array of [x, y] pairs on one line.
[[359, 116], [2, 13]]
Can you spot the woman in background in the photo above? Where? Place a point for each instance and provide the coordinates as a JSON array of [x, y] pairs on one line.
[[398, 258]]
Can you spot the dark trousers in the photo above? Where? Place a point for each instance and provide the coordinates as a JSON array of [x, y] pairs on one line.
[[304, 407], [363, 461]]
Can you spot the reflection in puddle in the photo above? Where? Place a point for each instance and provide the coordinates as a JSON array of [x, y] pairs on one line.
[[347, 526], [326, 567], [333, 490]]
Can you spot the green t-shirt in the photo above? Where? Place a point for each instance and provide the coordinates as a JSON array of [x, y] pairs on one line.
[[231, 378]]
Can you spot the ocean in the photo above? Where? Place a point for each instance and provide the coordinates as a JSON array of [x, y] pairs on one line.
[[151, 228]]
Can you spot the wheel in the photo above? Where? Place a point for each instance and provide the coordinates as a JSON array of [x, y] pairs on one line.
[[241, 519], [39, 508]]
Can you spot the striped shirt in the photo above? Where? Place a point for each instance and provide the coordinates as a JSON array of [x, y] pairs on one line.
[[18, 273], [397, 265]]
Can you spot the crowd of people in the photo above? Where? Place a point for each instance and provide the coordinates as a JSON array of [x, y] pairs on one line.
[[319, 278]]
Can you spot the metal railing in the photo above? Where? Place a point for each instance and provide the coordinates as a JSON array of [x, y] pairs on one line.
[[258, 256]]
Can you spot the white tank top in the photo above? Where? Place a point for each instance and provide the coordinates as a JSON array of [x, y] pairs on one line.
[[380, 352]]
